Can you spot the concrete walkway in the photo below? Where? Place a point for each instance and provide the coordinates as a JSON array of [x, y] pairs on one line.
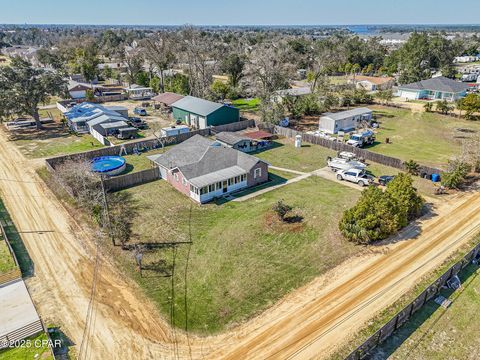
[[287, 170]]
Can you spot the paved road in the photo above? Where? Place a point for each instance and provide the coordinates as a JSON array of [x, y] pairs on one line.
[[308, 323]]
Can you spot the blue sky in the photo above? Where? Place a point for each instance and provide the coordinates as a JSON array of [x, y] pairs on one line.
[[216, 12]]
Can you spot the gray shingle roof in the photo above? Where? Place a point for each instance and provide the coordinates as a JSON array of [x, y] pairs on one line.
[[348, 113], [196, 105], [199, 156], [230, 138], [440, 83]]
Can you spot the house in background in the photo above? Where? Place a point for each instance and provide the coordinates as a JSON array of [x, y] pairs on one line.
[[439, 88], [295, 92], [235, 141], [166, 99], [372, 83], [346, 121], [138, 92], [204, 169], [200, 114], [77, 90]]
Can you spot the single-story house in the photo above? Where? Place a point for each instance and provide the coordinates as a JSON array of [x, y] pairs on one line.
[[77, 90], [166, 99], [121, 110], [110, 128], [438, 88], [200, 114], [235, 141], [204, 169], [279, 95], [372, 83], [348, 120], [137, 92], [81, 117]]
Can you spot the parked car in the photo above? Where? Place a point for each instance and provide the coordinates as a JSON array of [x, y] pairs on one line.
[[140, 111], [362, 139], [385, 179], [137, 123], [356, 176]]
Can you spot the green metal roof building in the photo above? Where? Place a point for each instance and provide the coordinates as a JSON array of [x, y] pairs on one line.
[[200, 114]]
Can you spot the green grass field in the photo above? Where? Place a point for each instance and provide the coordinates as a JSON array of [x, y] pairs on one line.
[[437, 333], [6, 260], [242, 259], [428, 138], [307, 158], [30, 352], [246, 104]]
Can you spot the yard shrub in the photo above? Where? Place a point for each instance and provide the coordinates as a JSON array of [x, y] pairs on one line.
[[379, 214], [281, 209], [456, 174]]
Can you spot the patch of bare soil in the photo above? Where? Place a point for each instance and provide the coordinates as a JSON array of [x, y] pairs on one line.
[[291, 223]]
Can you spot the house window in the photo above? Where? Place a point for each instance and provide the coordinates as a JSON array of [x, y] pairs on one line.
[[237, 179], [257, 173], [176, 177], [219, 185], [244, 177], [192, 188], [184, 182], [211, 188], [230, 182], [204, 190]]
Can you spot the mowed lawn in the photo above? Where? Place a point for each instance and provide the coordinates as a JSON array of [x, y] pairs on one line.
[[6, 260], [428, 138], [242, 259], [35, 348], [308, 158], [436, 333]]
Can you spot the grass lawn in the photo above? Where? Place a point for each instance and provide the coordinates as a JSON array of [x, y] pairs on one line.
[[29, 352], [242, 259], [428, 138], [247, 104], [284, 154], [53, 141], [437, 333], [6, 260]]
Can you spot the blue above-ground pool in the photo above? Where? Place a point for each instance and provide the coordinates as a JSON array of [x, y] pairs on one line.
[[109, 165]]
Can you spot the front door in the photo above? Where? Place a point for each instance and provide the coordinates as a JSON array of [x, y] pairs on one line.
[[225, 186]]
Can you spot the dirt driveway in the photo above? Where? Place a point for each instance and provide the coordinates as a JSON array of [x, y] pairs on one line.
[[309, 323]]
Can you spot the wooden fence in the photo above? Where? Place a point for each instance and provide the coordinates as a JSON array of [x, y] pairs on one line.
[[137, 178], [363, 351], [14, 274], [363, 153]]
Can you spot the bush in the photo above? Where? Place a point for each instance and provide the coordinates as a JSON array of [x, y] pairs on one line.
[[456, 174], [281, 209], [378, 214], [412, 167]]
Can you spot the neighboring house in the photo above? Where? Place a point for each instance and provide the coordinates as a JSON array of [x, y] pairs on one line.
[[77, 90], [137, 92], [110, 128], [167, 99], [279, 95], [332, 123], [439, 88], [372, 83], [465, 59], [204, 169], [200, 114], [82, 117], [235, 141]]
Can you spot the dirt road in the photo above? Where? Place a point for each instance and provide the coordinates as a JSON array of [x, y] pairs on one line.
[[308, 323]]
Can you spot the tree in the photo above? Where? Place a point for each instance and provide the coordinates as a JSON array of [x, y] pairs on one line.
[[220, 89], [374, 217], [456, 174], [412, 167], [233, 65], [443, 107], [178, 83], [160, 51], [402, 191], [384, 95], [428, 107], [134, 64], [281, 209], [470, 104], [23, 88]]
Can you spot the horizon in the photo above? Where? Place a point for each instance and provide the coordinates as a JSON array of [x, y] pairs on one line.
[[248, 13]]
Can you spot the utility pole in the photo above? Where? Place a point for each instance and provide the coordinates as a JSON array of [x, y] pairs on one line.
[[105, 208]]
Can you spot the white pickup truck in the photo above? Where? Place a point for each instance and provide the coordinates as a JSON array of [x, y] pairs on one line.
[[356, 176]]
